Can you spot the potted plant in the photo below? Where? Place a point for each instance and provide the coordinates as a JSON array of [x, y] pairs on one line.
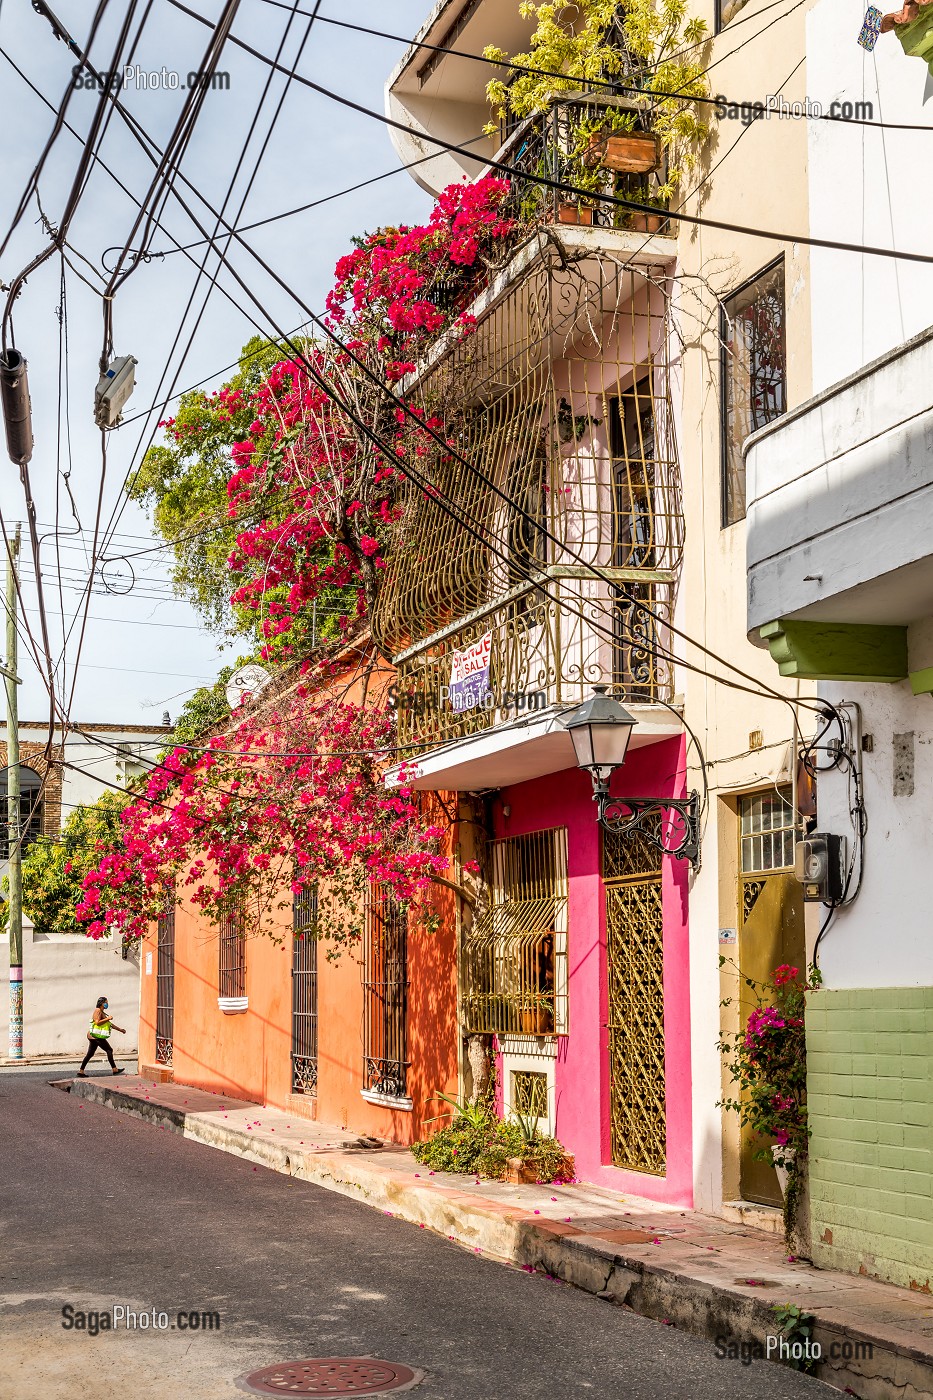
[[662, 53], [767, 1063], [612, 141]]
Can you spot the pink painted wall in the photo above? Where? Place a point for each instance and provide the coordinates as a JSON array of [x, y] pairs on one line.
[[582, 1070]]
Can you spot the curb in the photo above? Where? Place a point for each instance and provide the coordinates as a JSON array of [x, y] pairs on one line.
[[707, 1308]]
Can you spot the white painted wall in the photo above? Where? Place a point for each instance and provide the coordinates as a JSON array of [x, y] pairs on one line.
[[62, 978], [885, 939], [866, 186]]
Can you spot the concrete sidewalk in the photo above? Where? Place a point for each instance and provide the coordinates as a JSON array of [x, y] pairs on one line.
[[707, 1276]]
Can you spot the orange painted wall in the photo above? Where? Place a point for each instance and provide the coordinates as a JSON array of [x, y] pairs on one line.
[[248, 1054]]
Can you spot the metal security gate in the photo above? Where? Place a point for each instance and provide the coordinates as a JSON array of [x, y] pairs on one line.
[[304, 993], [165, 986], [635, 950]]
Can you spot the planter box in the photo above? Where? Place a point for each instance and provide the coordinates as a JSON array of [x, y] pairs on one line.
[[519, 1171], [634, 152], [574, 214]]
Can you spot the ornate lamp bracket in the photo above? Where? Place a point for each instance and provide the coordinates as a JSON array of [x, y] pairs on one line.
[[680, 820]]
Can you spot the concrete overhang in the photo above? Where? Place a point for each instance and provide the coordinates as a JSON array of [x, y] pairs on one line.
[[840, 501], [445, 95], [515, 753]]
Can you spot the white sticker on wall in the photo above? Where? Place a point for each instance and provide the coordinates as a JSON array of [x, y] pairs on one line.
[[148, 964], [728, 935]]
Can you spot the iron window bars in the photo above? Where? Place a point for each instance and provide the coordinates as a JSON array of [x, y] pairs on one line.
[[514, 958], [304, 991], [30, 810], [165, 986], [385, 996], [233, 953], [753, 374]]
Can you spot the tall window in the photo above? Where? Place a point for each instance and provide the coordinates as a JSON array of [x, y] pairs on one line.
[[632, 442], [514, 959], [385, 997], [304, 991], [30, 810], [233, 954], [165, 986], [753, 377]]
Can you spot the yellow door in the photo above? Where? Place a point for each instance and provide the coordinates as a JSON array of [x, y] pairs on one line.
[[771, 932]]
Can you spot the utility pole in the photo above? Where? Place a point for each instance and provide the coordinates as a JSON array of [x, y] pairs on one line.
[[12, 787]]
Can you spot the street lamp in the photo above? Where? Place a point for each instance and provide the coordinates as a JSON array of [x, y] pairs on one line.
[[600, 730]]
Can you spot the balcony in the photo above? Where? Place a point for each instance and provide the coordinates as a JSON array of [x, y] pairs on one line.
[[840, 523], [560, 563]]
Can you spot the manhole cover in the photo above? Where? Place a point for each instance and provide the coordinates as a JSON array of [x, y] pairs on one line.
[[332, 1375]]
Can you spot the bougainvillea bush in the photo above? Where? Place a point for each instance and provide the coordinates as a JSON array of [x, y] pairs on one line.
[[290, 796], [767, 1062], [307, 444]]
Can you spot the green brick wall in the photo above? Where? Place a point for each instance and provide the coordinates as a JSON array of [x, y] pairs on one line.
[[870, 1096]]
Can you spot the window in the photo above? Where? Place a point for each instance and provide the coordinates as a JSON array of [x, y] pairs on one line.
[[768, 831], [385, 999], [165, 986], [304, 991], [529, 1093], [527, 518], [514, 958], [632, 443], [726, 10], [30, 810], [753, 375], [233, 954]]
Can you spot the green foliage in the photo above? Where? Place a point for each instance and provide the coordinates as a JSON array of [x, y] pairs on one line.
[[653, 44], [795, 1325], [53, 869], [477, 1141], [184, 482]]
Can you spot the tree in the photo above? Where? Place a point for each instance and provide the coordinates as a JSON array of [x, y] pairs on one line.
[[54, 868], [184, 482]]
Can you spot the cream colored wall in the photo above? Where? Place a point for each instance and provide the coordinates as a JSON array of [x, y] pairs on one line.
[[759, 180]]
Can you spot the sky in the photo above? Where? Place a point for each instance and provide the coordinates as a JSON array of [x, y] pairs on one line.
[[144, 651]]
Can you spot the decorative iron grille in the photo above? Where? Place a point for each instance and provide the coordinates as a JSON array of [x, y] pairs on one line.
[[562, 394], [514, 957], [548, 144], [635, 950], [233, 953], [529, 1093], [385, 996], [304, 991], [165, 986]]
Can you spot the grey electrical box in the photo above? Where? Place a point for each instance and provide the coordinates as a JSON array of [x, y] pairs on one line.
[[113, 389], [818, 865]]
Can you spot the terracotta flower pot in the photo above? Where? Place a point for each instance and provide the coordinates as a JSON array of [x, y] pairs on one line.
[[633, 152], [646, 223], [575, 214], [536, 1021]]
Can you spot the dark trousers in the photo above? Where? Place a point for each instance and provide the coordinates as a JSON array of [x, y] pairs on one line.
[[92, 1047]]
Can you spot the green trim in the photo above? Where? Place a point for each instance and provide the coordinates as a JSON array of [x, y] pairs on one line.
[[837, 651], [921, 682]]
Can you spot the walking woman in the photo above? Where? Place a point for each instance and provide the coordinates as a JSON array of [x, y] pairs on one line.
[[99, 1034]]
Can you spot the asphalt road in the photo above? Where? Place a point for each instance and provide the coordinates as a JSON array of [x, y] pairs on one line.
[[98, 1209]]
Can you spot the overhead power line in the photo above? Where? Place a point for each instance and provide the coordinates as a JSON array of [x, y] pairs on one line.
[[560, 186]]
